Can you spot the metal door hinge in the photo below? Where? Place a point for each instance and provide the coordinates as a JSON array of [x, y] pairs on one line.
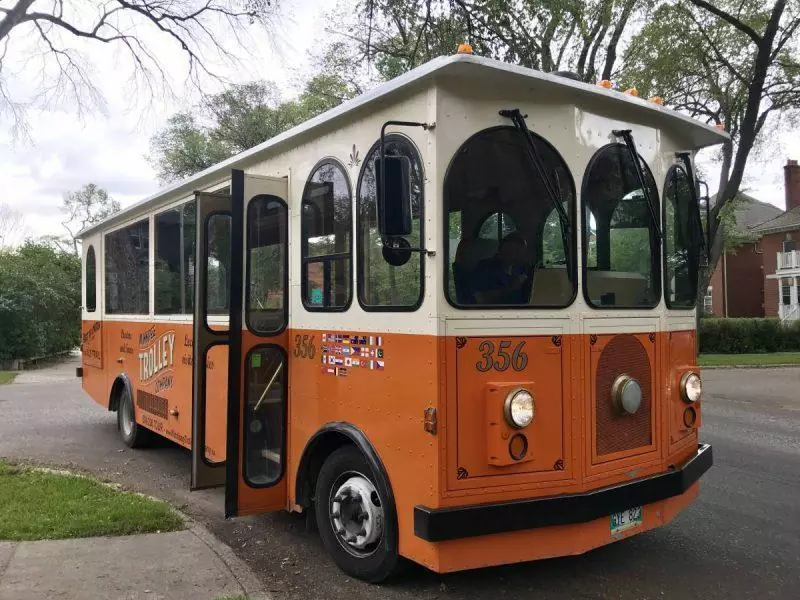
[[430, 420]]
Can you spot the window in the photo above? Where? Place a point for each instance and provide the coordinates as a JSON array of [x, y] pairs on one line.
[[708, 301], [175, 238], [620, 243], [218, 264], [266, 265], [326, 226], [506, 242], [786, 292], [382, 286], [683, 240], [127, 270], [91, 280]]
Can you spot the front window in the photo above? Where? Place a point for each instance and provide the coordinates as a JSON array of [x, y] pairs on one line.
[[683, 239], [620, 239], [506, 243]]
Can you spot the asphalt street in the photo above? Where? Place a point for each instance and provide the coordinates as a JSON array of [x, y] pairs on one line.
[[741, 539]]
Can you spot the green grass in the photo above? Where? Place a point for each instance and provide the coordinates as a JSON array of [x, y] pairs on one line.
[[7, 376], [38, 505], [749, 360]]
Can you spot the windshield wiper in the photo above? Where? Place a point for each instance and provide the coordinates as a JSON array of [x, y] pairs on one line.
[[518, 119], [687, 163], [625, 134]]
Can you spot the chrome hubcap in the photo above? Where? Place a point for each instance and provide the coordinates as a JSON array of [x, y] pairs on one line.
[[356, 514]]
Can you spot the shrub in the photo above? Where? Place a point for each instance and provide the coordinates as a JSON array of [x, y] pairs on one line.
[[742, 336]]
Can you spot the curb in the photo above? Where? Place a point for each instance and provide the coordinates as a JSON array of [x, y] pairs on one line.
[[252, 588]]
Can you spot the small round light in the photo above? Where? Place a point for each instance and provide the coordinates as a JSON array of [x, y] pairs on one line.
[[518, 446], [519, 408], [691, 387], [626, 393], [465, 48], [689, 417]]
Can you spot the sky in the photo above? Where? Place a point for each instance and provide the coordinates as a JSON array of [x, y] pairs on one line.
[[62, 151]]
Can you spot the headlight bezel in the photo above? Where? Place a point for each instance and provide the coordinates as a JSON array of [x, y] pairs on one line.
[[508, 408], [685, 395]]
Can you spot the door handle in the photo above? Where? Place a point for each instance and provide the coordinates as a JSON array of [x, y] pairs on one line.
[[269, 386]]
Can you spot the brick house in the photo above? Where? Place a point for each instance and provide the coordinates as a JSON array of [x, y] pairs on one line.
[[760, 278]]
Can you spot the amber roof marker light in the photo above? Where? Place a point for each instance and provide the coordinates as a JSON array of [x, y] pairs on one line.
[[464, 48]]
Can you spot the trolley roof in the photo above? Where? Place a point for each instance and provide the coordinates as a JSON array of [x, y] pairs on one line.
[[476, 68]]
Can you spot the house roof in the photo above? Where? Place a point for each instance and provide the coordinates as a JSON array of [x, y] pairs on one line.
[[787, 221], [751, 212], [483, 71]]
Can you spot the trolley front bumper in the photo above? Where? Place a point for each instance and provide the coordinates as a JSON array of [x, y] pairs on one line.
[[440, 524]]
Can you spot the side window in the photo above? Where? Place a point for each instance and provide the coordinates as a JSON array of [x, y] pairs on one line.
[[91, 280], [127, 270], [265, 301], [683, 235], [620, 244], [175, 238], [326, 231], [383, 286]]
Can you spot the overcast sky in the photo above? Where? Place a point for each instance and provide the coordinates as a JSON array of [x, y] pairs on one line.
[[65, 152]]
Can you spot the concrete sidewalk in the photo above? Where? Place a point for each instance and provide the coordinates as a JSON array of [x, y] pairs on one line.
[[190, 564]]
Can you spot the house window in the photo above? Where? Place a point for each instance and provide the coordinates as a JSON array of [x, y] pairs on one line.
[[708, 301], [786, 292]]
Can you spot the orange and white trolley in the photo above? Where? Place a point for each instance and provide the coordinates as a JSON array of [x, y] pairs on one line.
[[455, 317]]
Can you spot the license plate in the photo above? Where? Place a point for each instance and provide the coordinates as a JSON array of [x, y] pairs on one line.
[[626, 519]]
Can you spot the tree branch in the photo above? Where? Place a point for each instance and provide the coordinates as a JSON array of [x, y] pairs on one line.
[[746, 29]]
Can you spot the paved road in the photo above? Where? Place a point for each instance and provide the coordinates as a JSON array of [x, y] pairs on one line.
[[740, 540]]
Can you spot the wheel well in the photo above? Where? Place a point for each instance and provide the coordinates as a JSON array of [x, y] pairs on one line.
[[116, 392], [319, 448]]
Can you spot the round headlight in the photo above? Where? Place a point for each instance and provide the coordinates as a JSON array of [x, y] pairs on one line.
[[691, 387], [626, 393], [519, 408]]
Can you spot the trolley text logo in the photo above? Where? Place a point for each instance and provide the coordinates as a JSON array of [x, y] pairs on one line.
[[157, 357]]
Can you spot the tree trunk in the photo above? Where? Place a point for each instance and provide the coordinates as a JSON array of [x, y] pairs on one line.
[[611, 52], [13, 17]]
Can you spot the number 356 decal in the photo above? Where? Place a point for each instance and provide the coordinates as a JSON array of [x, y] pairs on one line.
[[499, 358]]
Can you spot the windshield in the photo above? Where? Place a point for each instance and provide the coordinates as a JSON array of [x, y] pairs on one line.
[[620, 239], [683, 240], [503, 234]]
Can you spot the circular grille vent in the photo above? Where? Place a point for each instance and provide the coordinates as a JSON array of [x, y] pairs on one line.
[[616, 431]]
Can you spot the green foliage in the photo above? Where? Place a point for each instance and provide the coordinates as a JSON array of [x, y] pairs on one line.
[[40, 299], [36, 505], [741, 336], [244, 116]]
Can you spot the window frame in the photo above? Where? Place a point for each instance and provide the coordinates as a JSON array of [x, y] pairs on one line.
[[181, 208], [329, 160], [573, 241], [654, 245], [105, 235], [90, 252], [247, 248], [374, 150], [665, 271]]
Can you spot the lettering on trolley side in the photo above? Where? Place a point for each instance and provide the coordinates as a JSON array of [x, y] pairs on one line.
[[499, 359], [158, 357]]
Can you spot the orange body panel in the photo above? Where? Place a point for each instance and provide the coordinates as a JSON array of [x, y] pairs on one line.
[[386, 395]]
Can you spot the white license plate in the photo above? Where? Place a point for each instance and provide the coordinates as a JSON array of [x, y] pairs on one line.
[[627, 519]]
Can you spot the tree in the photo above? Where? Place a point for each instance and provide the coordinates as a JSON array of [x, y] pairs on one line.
[[550, 35], [12, 226], [82, 208], [50, 37], [731, 63], [244, 116]]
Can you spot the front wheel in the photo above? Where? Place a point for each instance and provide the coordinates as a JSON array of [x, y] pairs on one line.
[[133, 434], [357, 525]]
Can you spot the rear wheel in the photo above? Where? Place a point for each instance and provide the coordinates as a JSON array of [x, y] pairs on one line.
[[133, 434], [355, 522]]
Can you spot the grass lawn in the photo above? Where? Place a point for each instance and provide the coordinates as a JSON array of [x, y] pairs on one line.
[[38, 505], [7, 376], [750, 360]]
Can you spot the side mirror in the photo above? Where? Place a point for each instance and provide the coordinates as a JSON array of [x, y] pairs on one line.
[[393, 178]]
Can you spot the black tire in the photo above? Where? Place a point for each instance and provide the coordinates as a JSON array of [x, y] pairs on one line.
[[133, 434], [378, 563]]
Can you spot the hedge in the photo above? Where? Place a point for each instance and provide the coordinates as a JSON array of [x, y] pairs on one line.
[[742, 336]]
